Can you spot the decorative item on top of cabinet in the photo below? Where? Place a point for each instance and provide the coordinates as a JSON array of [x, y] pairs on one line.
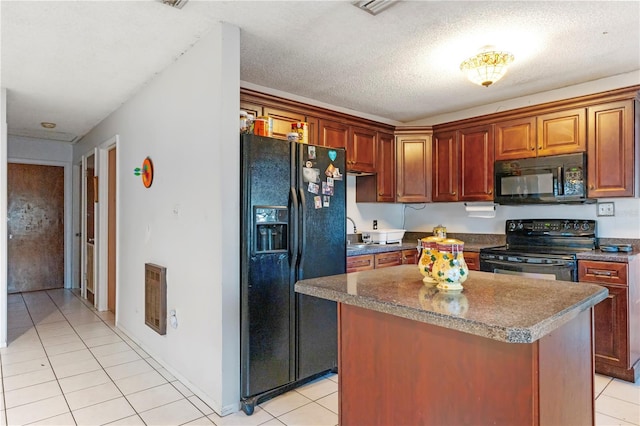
[[463, 164], [361, 150], [413, 167], [617, 318], [282, 120], [612, 149]]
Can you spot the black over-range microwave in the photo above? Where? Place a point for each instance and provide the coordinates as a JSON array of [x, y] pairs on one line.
[[542, 180]]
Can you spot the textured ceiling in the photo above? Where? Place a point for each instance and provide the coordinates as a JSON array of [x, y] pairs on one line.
[[74, 62]]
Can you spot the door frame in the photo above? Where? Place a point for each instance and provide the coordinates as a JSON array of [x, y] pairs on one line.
[[102, 229], [83, 226], [68, 210]]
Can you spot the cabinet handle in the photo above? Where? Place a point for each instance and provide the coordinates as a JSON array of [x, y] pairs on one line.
[[601, 273]]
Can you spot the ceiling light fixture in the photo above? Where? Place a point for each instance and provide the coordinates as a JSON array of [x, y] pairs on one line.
[[178, 4], [48, 125], [374, 6], [486, 67]]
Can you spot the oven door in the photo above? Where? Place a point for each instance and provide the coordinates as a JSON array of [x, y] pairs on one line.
[[563, 270]]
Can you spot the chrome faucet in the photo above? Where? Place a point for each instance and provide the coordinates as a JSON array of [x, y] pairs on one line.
[[355, 230]]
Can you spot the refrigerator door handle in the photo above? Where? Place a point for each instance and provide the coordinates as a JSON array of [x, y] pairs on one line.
[[302, 232], [293, 225]]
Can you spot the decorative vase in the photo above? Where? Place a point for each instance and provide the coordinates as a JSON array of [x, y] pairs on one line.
[[450, 269], [428, 248]]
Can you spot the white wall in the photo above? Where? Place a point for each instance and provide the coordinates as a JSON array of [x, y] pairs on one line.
[[186, 121]]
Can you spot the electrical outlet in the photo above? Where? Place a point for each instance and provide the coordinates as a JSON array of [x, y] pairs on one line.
[[606, 209], [375, 224]]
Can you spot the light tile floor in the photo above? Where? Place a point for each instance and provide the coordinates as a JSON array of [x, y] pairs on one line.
[[67, 364]]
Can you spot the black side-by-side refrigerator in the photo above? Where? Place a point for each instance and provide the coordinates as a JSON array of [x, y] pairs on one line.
[[293, 207]]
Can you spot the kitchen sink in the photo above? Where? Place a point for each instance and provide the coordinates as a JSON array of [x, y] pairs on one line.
[[357, 246]]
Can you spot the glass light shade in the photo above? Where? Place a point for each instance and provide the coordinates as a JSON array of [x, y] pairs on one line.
[[486, 67]]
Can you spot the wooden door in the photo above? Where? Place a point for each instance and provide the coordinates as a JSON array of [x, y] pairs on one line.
[[563, 132], [445, 166], [413, 169], [89, 241], [111, 225], [515, 139], [361, 150], [611, 150], [386, 168], [476, 164], [35, 214], [333, 134]]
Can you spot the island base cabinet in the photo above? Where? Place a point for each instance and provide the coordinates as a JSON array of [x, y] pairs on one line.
[[399, 371]]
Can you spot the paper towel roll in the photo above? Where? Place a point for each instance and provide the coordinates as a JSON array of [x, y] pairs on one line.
[[484, 210]]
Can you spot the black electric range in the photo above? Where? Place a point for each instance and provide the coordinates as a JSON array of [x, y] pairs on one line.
[[541, 248]]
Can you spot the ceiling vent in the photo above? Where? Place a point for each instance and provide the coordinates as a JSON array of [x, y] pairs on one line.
[[178, 4], [374, 6]]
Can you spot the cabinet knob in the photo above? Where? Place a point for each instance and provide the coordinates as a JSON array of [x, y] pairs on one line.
[[453, 193], [591, 186], [540, 147], [533, 148], [489, 192]]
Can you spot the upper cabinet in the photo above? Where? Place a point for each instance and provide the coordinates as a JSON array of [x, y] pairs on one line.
[[333, 134], [361, 150], [563, 132], [463, 164], [612, 149], [386, 168], [555, 133], [413, 168]]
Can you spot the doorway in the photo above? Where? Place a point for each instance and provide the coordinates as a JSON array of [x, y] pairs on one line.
[[111, 232], [90, 199], [35, 227]]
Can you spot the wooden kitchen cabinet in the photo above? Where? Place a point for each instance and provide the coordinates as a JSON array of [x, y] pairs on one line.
[[472, 259], [333, 134], [463, 164], [361, 150], [386, 168], [360, 263], [413, 168], [409, 257], [282, 120], [562, 132], [515, 139], [384, 260], [611, 149], [616, 319]]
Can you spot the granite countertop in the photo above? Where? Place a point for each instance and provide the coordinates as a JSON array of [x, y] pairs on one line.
[[506, 308], [603, 256]]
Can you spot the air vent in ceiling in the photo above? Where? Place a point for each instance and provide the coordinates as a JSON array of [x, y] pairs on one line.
[[175, 3], [374, 6]]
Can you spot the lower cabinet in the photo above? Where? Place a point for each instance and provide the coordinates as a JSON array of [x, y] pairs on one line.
[[381, 260], [472, 259], [616, 320]]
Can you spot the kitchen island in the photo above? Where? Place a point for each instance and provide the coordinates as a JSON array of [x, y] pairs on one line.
[[507, 350]]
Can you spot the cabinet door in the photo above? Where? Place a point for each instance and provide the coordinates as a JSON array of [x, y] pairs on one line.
[[361, 150], [611, 150], [333, 134], [314, 128], [472, 259], [409, 257], [251, 108], [515, 139], [360, 263], [476, 164], [562, 132], [384, 260], [386, 168], [282, 120], [413, 168], [445, 166], [610, 328]]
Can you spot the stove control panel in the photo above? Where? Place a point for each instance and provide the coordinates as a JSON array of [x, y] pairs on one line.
[[554, 227]]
